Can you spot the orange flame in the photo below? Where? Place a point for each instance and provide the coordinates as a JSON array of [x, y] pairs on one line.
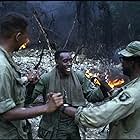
[[89, 75], [23, 46], [115, 83], [112, 84]]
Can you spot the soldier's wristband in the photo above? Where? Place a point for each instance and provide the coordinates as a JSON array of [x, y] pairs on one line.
[[62, 108]]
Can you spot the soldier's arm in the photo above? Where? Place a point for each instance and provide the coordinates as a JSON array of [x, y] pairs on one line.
[[20, 113], [91, 92], [10, 110], [97, 116], [40, 87]]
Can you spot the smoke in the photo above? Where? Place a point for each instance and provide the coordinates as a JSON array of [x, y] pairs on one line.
[[57, 18], [61, 13]]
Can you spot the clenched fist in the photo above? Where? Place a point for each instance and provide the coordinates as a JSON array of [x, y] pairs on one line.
[[54, 101]]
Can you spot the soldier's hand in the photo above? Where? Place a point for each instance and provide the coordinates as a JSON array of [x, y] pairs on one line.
[[102, 83], [105, 88], [69, 110], [54, 101], [33, 76]]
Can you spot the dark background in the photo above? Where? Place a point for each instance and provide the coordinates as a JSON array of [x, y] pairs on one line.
[[101, 27]]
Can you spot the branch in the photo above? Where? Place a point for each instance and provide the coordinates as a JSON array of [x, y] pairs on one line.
[[76, 53], [45, 35], [42, 30], [70, 31]]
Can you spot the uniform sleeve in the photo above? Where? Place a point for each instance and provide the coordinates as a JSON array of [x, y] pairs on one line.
[[6, 101], [40, 86], [91, 92], [115, 109]]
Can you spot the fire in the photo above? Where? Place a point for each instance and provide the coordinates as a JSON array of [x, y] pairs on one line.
[[23, 46], [112, 84], [115, 83], [89, 75]]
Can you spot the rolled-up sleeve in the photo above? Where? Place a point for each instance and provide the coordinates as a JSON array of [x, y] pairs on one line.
[[6, 105], [110, 111], [6, 89], [91, 92]]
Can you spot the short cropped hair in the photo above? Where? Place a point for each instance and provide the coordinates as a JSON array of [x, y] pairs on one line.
[[12, 23], [58, 52]]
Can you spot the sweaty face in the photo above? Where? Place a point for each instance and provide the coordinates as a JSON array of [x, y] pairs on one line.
[[65, 63]]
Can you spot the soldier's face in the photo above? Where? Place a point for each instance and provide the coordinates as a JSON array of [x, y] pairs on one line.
[[127, 66], [65, 63]]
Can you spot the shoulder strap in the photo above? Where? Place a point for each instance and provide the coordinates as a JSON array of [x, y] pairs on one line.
[[79, 77], [44, 94]]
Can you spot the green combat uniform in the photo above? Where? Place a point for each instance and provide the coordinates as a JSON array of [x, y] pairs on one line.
[[12, 94], [122, 113], [75, 88]]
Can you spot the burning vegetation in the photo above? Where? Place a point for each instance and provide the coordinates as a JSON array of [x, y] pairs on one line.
[[116, 83], [112, 83]]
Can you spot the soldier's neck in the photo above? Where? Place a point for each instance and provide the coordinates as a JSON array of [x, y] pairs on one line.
[[6, 45]]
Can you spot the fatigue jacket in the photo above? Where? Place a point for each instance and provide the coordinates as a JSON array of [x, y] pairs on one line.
[[12, 94], [50, 122], [122, 113]]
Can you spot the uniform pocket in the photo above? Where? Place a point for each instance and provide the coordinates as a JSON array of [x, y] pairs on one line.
[[45, 134], [11, 134]]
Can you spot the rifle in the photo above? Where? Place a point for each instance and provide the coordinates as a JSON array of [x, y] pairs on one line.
[[70, 32], [45, 36], [30, 87], [76, 53]]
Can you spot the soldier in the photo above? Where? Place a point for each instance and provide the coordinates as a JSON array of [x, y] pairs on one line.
[[13, 33], [74, 86], [123, 111]]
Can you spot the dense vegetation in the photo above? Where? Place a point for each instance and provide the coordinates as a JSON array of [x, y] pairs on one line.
[[100, 27]]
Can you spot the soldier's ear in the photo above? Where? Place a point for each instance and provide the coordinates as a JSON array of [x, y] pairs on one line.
[[18, 36]]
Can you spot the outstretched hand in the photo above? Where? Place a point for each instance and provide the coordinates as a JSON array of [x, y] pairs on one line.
[[102, 83], [105, 88]]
